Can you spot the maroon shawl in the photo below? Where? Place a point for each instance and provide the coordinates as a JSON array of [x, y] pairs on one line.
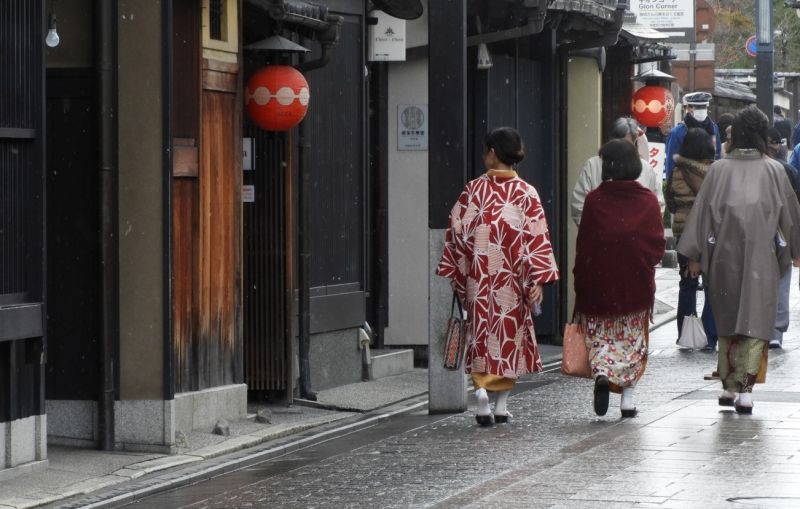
[[620, 240]]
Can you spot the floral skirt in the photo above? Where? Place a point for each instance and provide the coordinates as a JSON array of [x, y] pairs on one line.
[[617, 346]]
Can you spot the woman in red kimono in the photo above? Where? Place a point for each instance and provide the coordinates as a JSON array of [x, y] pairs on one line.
[[497, 254]]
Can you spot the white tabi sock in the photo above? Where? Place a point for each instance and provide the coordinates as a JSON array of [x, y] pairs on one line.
[[483, 402], [627, 399], [745, 399], [500, 405]]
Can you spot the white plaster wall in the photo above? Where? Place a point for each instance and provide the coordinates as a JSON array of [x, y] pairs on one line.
[[408, 215], [417, 30]]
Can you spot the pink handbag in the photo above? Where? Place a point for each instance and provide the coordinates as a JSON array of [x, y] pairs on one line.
[[575, 357]]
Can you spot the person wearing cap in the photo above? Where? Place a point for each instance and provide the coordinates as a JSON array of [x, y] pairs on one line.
[[696, 105], [774, 148], [590, 178]]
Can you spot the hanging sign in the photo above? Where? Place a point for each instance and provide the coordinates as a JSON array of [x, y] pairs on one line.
[[412, 127], [387, 38], [657, 157], [674, 18], [248, 194]]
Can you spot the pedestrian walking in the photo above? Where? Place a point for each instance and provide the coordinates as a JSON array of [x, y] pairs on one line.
[[723, 126], [620, 241], [782, 125], [743, 232], [774, 148], [624, 128], [691, 166], [696, 105], [497, 255]]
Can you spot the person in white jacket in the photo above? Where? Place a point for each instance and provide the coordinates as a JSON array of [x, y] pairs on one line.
[[589, 179]]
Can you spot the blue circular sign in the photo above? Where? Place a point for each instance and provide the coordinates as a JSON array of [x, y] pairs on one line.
[[751, 46]]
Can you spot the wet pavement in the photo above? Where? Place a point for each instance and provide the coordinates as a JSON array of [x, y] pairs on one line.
[[682, 450]]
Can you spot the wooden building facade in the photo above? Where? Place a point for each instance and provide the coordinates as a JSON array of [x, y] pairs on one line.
[[22, 227]]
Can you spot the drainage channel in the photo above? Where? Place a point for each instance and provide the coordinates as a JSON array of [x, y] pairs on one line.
[[197, 483]]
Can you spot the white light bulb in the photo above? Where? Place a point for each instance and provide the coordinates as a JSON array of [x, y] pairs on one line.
[[52, 38]]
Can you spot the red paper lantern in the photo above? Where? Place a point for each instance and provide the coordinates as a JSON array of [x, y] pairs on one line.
[[276, 97], [652, 105]]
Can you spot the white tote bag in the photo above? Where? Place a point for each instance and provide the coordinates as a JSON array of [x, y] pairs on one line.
[[692, 333]]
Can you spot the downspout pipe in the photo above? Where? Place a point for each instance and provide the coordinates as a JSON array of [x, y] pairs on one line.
[[327, 39], [106, 84]]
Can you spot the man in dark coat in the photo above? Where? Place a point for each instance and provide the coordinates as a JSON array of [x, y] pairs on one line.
[[782, 124], [774, 149]]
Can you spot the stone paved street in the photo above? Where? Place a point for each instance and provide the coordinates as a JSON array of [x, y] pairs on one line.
[[683, 450]]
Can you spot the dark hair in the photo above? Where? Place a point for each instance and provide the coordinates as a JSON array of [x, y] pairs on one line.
[[777, 109], [750, 130], [697, 145], [622, 127], [507, 145], [774, 136], [620, 161], [723, 122]]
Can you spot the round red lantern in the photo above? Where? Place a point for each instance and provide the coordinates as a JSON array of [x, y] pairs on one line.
[[276, 97], [652, 105]]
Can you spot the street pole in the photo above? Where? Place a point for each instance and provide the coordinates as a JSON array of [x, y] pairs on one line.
[[693, 50], [764, 57]]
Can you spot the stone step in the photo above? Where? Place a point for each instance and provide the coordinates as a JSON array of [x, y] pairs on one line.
[[670, 259], [670, 238], [388, 362]]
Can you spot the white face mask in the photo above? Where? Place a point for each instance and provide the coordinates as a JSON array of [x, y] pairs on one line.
[[700, 115]]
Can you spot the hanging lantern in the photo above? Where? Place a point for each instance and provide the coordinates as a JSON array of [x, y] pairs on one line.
[[652, 105], [276, 97]]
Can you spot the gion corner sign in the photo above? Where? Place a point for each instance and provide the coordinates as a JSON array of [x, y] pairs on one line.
[[674, 18]]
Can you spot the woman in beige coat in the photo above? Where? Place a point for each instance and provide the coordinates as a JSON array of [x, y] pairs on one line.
[[691, 166], [742, 233]]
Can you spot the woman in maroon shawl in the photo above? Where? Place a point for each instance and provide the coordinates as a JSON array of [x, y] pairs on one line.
[[620, 240]]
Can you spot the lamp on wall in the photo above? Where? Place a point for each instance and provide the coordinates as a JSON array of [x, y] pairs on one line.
[[484, 57], [52, 39]]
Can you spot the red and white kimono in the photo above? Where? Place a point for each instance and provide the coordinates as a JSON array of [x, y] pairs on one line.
[[497, 247]]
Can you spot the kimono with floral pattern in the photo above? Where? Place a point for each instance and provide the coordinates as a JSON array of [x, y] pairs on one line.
[[497, 246]]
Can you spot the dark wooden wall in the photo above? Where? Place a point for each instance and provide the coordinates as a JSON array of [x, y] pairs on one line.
[[206, 211], [220, 225], [617, 86], [73, 242], [21, 209]]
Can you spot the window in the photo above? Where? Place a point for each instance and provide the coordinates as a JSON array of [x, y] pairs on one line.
[[216, 19], [220, 32]]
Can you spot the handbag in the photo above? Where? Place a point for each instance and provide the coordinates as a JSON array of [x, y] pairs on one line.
[[575, 356], [692, 333], [455, 340]]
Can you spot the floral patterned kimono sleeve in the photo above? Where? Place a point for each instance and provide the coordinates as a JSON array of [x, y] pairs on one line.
[[453, 264], [539, 265]]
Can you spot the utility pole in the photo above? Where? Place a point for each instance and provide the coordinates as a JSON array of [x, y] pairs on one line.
[[764, 56]]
